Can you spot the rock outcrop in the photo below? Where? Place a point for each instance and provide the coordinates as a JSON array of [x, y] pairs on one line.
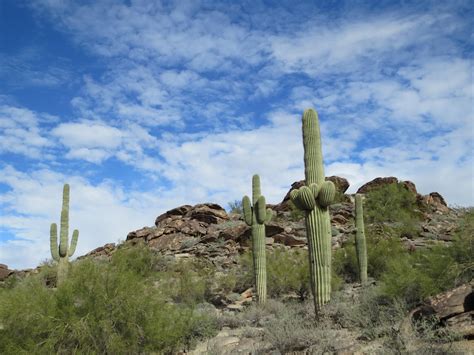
[[207, 231], [4, 272], [433, 202], [341, 187], [453, 309], [382, 181]]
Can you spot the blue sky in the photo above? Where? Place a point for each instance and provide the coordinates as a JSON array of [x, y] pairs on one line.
[[142, 106]]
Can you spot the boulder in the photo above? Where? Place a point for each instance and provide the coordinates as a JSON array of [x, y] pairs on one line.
[[104, 251], [341, 183], [453, 309], [178, 211], [341, 186], [209, 213], [382, 181], [4, 272]]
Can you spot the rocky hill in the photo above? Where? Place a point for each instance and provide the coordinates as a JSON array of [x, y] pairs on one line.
[[207, 232]]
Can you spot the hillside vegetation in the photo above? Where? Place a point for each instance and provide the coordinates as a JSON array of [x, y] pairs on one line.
[[141, 301]]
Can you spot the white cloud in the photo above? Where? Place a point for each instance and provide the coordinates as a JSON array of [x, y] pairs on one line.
[[88, 134], [103, 213], [20, 131]]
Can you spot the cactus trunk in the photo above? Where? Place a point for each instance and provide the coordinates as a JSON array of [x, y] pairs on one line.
[[315, 198], [259, 261], [361, 246], [256, 215], [62, 252]]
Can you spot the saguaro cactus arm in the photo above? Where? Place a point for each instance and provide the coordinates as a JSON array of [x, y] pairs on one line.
[[53, 238], [72, 247], [247, 209]]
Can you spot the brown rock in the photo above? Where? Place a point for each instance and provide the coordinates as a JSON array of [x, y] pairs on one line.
[[233, 232], [209, 213], [168, 242], [341, 183], [289, 239], [341, 186], [434, 201], [178, 211], [452, 308], [376, 183], [140, 233], [453, 302], [102, 251], [4, 272], [270, 231], [410, 186]]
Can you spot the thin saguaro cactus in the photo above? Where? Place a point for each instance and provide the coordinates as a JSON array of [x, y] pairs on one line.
[[62, 252], [360, 243], [314, 198], [256, 215]]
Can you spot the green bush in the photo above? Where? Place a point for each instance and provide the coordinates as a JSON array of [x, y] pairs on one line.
[[380, 251], [296, 214], [235, 206], [394, 204], [370, 312], [424, 273], [389, 203], [287, 273], [100, 308], [138, 259]]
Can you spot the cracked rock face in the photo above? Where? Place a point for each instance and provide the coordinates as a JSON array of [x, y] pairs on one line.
[[453, 308]]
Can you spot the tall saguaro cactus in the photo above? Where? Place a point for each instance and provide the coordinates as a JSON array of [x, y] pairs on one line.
[[256, 215], [361, 246], [62, 253], [314, 198]]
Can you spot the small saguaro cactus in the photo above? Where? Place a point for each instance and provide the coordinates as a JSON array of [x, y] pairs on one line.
[[256, 215], [314, 198], [62, 253], [360, 243]]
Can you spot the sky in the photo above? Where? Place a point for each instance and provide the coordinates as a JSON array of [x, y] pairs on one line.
[[143, 106]]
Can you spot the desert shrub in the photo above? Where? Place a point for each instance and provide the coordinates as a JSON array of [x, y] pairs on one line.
[[235, 206], [394, 204], [372, 313], [427, 272], [292, 327], [98, 309], [380, 251], [138, 259], [188, 281], [462, 248], [244, 275], [288, 272], [296, 214], [389, 203]]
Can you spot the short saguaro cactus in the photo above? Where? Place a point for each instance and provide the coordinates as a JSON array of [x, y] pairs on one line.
[[256, 215], [314, 198], [62, 252]]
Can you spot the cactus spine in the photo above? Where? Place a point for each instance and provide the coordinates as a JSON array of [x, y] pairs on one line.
[[62, 253], [360, 243], [314, 198], [256, 215]]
